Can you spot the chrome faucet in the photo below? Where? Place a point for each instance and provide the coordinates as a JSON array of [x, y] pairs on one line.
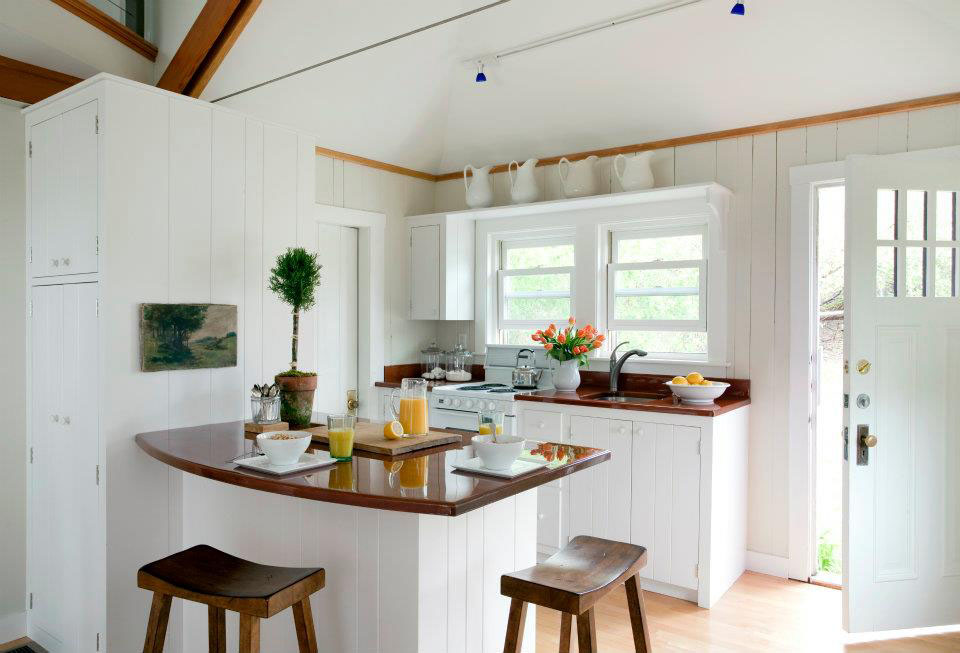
[[616, 364]]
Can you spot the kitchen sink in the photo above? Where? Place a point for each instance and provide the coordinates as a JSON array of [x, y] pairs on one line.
[[622, 398]]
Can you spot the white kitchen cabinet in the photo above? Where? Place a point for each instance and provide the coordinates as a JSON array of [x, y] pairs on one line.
[[675, 484], [441, 267], [64, 192], [64, 471]]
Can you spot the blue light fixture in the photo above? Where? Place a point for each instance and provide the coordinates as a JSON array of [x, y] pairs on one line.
[[738, 9], [481, 76]]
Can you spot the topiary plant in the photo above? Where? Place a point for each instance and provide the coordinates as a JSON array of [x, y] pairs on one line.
[[295, 279]]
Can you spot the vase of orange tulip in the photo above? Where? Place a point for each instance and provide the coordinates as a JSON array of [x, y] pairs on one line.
[[569, 347]]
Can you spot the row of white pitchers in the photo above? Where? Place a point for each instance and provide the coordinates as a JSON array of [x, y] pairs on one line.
[[577, 179]]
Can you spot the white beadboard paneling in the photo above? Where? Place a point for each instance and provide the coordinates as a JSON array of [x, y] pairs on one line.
[[728, 155], [663, 163], [551, 186], [696, 163], [822, 143], [499, 529], [226, 255], [936, 127], [858, 137], [352, 185], [338, 182], [324, 180], [892, 133], [253, 269]]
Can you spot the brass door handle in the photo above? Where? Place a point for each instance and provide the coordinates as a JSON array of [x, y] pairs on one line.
[[865, 441], [353, 402], [869, 440]]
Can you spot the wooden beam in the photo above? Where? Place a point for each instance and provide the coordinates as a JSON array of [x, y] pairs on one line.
[[25, 82], [109, 25], [213, 33], [839, 116], [379, 165]]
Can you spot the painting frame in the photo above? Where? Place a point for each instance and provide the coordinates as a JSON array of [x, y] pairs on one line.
[[187, 336]]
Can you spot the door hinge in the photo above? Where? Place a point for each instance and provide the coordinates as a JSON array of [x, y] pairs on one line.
[[98, 474], [30, 254], [98, 641], [696, 570], [699, 446], [31, 455], [31, 600], [98, 308], [96, 124], [846, 400], [846, 443], [98, 245], [30, 309], [30, 150]]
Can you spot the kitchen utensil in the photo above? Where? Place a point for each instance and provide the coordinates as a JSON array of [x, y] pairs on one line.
[[525, 376]]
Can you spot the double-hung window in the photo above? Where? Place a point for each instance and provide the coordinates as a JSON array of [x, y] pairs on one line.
[[535, 286], [657, 291]]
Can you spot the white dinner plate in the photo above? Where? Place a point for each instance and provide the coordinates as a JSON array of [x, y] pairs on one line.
[[519, 468], [310, 460]]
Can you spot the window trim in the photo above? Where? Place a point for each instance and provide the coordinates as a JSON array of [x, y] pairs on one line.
[[505, 245]]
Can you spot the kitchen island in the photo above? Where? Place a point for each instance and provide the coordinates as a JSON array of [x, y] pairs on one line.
[[413, 549]]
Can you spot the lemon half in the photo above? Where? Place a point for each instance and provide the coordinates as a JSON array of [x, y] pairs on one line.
[[393, 430]]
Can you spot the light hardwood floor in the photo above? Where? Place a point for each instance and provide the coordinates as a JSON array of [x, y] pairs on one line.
[[759, 613]]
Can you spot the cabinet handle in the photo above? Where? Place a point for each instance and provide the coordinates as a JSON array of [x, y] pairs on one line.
[[541, 425], [621, 430], [66, 421], [54, 418], [55, 262], [66, 261]]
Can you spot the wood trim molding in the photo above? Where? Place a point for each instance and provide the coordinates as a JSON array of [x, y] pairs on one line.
[[765, 128], [379, 165], [109, 25], [24, 82], [205, 46]]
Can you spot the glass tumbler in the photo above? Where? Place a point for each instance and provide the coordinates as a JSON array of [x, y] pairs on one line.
[[490, 422], [340, 433]]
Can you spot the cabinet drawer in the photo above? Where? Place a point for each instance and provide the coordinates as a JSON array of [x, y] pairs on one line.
[[541, 425]]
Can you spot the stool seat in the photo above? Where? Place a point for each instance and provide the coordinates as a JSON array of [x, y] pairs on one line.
[[576, 577]]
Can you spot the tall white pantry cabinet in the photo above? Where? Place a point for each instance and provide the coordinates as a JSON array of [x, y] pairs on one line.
[[137, 195]]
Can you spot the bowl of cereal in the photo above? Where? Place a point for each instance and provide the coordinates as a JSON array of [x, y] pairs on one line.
[[284, 447]]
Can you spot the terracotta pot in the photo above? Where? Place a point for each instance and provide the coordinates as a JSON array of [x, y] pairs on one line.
[[296, 399]]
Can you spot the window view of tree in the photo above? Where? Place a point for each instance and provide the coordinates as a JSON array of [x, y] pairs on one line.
[[536, 283]]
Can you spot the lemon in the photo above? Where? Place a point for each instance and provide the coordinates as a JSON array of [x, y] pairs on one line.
[[393, 430], [679, 380], [694, 378], [705, 382]]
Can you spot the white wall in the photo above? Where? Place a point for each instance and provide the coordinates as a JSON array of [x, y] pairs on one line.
[[172, 21], [13, 543], [756, 168]]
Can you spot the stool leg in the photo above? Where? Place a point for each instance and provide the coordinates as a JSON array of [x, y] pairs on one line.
[[216, 629], [249, 634], [587, 632], [157, 624], [638, 616], [566, 628], [515, 623], [303, 621]]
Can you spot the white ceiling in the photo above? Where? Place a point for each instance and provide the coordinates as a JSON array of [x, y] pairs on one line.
[[692, 70]]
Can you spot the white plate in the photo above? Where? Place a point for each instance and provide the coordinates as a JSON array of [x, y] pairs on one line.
[[307, 461], [519, 468]]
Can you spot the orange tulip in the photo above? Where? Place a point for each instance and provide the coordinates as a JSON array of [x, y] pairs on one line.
[[561, 338], [535, 338], [601, 337], [571, 320], [596, 344], [581, 333], [548, 346]]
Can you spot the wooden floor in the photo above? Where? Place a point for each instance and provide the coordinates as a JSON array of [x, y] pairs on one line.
[[759, 613]]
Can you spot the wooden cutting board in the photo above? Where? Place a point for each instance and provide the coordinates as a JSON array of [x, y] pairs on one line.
[[369, 437]]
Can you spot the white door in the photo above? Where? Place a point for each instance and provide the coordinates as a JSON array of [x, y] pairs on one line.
[[902, 497], [64, 509], [336, 318]]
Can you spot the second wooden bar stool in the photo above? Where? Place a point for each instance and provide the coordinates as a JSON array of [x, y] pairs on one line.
[[572, 581], [223, 582]]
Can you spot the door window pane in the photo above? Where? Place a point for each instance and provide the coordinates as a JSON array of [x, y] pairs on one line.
[[886, 272], [916, 272], [945, 272], [916, 215], [946, 215], [886, 214]]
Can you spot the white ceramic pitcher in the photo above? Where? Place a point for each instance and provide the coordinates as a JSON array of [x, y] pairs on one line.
[[636, 173], [479, 189], [579, 179], [523, 183]]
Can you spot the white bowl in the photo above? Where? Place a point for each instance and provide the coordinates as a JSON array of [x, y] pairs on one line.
[[698, 394], [498, 455], [284, 452]]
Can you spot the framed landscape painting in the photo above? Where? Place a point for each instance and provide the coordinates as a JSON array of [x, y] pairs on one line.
[[187, 336]]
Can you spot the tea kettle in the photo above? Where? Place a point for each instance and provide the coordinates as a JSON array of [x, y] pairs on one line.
[[525, 376]]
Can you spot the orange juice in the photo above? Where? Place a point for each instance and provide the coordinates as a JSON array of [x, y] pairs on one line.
[[413, 473], [486, 430], [341, 442], [341, 477], [413, 416]]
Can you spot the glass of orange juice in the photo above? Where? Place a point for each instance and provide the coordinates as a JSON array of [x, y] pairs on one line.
[[409, 406], [413, 473], [490, 422], [340, 432]]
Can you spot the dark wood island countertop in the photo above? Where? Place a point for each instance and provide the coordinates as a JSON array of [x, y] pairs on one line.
[[369, 480]]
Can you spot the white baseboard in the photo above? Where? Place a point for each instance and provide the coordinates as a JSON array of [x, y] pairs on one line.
[[13, 626], [765, 563]]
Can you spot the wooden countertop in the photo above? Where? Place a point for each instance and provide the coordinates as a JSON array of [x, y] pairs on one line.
[[660, 404], [365, 481]]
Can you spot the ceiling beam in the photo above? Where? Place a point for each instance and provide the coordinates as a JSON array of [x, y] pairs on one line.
[[24, 82], [109, 25], [213, 33]]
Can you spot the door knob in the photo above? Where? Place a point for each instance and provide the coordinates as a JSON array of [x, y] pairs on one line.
[[352, 401], [870, 440], [865, 441]]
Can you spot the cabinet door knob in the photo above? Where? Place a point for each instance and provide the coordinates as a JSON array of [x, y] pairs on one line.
[[66, 421], [54, 418], [66, 261], [621, 430], [541, 425], [55, 262]]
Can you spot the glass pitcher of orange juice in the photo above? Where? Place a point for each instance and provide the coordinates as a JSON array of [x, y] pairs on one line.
[[409, 406]]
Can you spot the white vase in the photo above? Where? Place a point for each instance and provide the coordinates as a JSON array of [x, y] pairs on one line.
[[523, 183], [636, 173], [567, 377], [479, 189]]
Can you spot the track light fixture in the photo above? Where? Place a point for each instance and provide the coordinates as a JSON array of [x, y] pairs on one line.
[[738, 9], [481, 76]]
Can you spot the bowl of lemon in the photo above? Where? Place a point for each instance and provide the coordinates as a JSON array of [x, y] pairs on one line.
[[695, 390]]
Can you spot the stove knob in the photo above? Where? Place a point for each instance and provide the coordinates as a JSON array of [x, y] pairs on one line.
[[468, 403], [491, 405], [456, 403]]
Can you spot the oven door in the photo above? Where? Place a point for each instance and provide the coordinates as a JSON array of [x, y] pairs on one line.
[[463, 420]]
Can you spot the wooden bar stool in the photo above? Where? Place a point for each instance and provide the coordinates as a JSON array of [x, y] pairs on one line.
[[572, 581], [222, 582]]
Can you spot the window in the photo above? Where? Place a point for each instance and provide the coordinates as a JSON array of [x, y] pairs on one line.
[[657, 291], [535, 286]]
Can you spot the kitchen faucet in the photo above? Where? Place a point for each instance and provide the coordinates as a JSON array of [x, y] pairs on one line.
[[616, 364]]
